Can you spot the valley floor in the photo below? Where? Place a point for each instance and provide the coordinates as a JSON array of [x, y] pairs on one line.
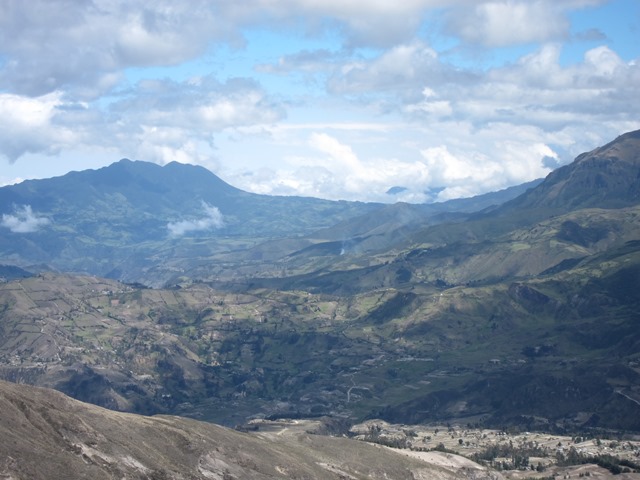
[[526, 455]]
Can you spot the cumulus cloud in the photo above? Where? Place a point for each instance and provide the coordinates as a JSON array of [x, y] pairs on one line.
[[200, 104], [85, 54], [457, 159], [158, 120], [478, 131], [402, 66], [337, 172], [66, 85], [28, 125], [431, 105], [164, 121], [501, 23], [536, 90], [465, 174], [50, 49], [211, 220], [356, 178], [377, 23], [24, 220]]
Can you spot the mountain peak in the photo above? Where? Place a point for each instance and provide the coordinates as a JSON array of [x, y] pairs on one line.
[[625, 147], [606, 177]]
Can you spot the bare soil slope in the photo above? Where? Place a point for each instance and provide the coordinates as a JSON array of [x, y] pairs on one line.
[[46, 435]]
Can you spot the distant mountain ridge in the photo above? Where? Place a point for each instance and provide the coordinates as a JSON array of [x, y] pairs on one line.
[[553, 221], [607, 177], [140, 222], [160, 194], [117, 220]]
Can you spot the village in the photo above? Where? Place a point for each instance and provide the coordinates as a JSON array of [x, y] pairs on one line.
[[517, 455]]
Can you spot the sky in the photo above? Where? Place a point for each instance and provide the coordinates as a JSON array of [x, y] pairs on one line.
[[376, 100]]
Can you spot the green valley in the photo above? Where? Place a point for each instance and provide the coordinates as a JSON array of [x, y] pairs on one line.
[[523, 314]]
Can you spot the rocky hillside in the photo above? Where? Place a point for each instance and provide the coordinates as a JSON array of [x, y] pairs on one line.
[[579, 210], [48, 436], [556, 352], [607, 177]]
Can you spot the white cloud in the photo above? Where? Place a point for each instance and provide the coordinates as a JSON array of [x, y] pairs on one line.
[[604, 62], [159, 120], [430, 105], [82, 47], [377, 23], [166, 121], [200, 104], [85, 53], [357, 178], [402, 66], [211, 220], [337, 172], [79, 46], [383, 102], [502, 23], [340, 154], [538, 91], [163, 145], [24, 220], [441, 161], [465, 174], [28, 125]]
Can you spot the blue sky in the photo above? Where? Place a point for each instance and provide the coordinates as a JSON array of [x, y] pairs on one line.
[[334, 99]]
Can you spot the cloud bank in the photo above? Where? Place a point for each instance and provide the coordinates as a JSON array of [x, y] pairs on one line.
[[211, 220], [341, 100], [24, 220]]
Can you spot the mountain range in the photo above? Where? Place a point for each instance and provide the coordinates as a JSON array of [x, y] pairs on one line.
[[516, 309], [119, 220], [138, 222]]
